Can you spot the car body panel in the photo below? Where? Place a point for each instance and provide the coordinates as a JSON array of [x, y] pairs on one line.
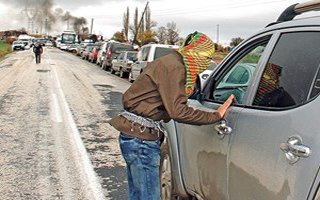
[[249, 163], [258, 165], [205, 153], [147, 54], [124, 61]]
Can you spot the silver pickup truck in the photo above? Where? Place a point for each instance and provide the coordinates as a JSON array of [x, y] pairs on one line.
[[267, 147]]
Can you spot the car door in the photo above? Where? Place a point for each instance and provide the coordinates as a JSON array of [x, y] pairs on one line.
[[270, 155], [204, 149]]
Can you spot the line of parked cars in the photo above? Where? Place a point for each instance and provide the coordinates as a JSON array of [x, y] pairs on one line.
[[120, 58]]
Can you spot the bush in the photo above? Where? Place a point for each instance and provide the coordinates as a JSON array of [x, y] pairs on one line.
[[10, 40]]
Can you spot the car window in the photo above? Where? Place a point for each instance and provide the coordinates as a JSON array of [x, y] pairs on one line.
[[121, 47], [120, 57], [162, 51], [240, 75], [236, 80], [145, 53], [131, 55], [289, 76]]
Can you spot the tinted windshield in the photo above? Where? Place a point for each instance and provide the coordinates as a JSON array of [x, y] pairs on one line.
[[68, 38], [162, 51], [132, 55]]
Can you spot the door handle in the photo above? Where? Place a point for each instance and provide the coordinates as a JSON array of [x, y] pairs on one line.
[[294, 149], [223, 129]]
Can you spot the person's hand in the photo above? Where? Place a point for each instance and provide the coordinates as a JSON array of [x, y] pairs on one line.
[[223, 108]]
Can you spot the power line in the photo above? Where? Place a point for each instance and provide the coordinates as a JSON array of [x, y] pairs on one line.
[[205, 10]]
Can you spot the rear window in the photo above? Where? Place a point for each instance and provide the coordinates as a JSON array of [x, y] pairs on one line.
[[162, 51], [132, 55], [89, 48], [121, 47]]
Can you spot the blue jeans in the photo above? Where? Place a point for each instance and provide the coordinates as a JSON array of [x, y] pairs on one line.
[[143, 161]]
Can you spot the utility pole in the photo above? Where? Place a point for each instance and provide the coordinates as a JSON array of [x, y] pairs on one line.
[[46, 26], [91, 26], [218, 33], [30, 13], [68, 23], [135, 36]]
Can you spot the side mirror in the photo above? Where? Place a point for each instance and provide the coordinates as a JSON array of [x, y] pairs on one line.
[[197, 92]]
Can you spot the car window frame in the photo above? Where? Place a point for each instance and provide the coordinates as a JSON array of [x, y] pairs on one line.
[[234, 57], [254, 90], [146, 53]]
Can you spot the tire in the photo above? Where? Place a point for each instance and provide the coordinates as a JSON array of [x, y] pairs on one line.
[[112, 71]]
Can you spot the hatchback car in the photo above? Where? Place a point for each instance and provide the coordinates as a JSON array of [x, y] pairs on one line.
[[87, 50], [148, 53], [267, 147], [113, 50], [123, 63]]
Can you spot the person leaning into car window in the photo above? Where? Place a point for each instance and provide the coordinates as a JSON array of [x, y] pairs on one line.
[[37, 50], [158, 95]]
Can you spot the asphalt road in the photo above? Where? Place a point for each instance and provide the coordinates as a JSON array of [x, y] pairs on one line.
[[54, 136]]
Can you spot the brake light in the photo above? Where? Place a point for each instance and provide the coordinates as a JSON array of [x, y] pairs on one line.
[[109, 53]]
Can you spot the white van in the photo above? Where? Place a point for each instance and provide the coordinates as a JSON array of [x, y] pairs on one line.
[[148, 53]]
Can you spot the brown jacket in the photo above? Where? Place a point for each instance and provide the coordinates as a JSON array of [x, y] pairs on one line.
[[159, 94]]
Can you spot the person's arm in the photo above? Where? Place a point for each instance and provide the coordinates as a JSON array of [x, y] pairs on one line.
[[171, 86]]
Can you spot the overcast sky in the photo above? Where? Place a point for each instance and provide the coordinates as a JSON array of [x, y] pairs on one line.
[[236, 18]]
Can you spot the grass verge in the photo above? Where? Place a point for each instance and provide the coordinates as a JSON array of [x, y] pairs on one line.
[[5, 48]]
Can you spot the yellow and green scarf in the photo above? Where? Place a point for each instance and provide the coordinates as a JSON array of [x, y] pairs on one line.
[[197, 53]]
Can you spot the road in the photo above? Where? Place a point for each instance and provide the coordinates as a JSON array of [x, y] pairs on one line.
[[54, 136]]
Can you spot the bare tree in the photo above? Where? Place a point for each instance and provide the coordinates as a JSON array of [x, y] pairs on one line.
[[134, 27], [162, 35], [142, 27], [126, 24], [149, 23], [172, 33]]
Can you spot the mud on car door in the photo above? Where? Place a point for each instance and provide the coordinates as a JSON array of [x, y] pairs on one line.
[[204, 149]]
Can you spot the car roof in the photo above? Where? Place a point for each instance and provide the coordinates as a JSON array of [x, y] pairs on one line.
[[301, 22], [161, 45]]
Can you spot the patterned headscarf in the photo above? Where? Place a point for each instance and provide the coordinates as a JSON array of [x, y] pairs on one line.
[[197, 51]]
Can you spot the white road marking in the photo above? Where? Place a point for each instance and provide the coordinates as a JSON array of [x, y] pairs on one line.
[[56, 113], [90, 179]]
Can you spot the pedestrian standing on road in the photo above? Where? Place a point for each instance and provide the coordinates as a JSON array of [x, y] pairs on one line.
[[37, 50], [158, 95]]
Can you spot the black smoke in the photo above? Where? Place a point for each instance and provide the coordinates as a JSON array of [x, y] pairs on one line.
[[46, 16]]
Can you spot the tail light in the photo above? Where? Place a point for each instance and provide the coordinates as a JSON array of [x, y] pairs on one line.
[[109, 54]]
